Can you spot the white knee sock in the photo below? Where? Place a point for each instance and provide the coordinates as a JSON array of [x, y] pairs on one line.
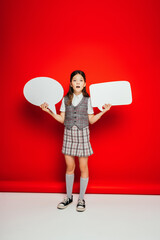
[[69, 184], [83, 186]]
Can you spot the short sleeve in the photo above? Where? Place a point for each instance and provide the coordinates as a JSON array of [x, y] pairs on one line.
[[90, 108], [62, 108]]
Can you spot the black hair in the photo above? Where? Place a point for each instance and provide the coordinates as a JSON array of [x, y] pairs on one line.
[[70, 92]]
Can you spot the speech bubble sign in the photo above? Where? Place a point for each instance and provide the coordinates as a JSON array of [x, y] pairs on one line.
[[43, 89], [115, 93]]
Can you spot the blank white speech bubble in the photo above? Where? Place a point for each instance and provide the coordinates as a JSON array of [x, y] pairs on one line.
[[43, 89], [115, 93]]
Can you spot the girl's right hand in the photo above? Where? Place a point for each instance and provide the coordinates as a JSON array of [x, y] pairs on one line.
[[44, 107]]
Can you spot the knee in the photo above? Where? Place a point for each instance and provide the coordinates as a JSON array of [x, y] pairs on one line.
[[70, 169], [83, 167]]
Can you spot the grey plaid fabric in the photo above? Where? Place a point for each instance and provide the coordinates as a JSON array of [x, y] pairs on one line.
[[76, 142], [76, 115]]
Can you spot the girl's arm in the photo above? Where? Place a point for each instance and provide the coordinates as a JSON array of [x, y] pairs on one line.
[[59, 117], [94, 118]]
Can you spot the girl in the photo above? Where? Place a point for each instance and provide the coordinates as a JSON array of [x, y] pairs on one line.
[[76, 113]]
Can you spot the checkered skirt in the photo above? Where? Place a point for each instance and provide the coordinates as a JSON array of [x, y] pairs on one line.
[[76, 142]]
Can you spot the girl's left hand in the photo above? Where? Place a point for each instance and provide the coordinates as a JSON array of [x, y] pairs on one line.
[[106, 107]]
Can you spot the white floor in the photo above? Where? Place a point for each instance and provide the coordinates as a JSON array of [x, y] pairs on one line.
[[34, 216]]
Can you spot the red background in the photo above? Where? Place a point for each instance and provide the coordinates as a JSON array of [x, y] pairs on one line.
[[109, 41]]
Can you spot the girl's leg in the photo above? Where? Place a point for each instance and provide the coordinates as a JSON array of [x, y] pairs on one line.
[[70, 167], [83, 165]]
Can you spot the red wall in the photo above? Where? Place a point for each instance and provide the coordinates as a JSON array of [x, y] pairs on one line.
[[109, 41]]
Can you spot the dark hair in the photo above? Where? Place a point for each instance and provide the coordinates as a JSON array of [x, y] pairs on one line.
[[70, 92]]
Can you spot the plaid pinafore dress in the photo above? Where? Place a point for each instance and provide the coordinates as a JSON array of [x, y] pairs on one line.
[[76, 139]]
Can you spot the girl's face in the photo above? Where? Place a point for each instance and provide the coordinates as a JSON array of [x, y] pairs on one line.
[[78, 83]]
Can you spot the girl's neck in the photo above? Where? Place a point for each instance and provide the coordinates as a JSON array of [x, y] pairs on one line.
[[77, 93]]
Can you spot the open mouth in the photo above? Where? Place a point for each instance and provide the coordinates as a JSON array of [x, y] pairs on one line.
[[77, 86]]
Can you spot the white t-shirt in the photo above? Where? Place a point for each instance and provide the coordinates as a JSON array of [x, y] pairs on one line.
[[75, 101]]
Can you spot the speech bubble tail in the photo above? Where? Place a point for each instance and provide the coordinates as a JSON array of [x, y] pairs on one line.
[[100, 108], [53, 109]]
